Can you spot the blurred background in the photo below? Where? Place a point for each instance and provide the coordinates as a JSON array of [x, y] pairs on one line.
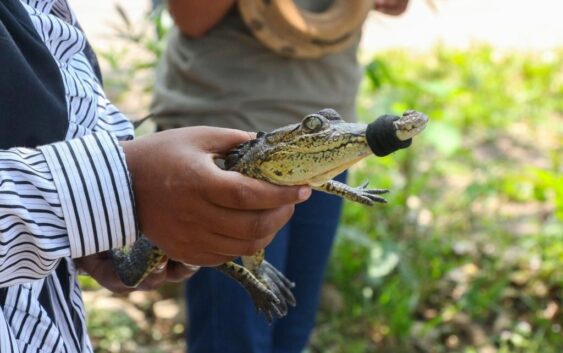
[[468, 254]]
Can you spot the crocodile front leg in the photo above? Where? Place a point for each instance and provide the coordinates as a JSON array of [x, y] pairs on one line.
[[135, 262], [358, 194]]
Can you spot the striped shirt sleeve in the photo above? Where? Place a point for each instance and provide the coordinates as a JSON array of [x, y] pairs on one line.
[[71, 198]]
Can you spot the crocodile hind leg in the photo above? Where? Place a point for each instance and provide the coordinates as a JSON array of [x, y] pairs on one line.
[[268, 288], [360, 194], [274, 279]]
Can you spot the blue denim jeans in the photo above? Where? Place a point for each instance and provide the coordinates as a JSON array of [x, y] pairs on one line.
[[221, 316]]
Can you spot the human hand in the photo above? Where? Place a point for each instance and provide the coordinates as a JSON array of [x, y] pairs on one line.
[[194, 211], [100, 267], [391, 7]]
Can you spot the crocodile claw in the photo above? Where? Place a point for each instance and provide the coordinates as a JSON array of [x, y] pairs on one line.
[[280, 286], [269, 289], [267, 302], [369, 196]]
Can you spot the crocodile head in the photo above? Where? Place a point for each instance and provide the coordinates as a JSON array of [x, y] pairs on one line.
[[321, 147]]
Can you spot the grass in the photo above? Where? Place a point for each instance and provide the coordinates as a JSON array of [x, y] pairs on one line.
[[468, 254]]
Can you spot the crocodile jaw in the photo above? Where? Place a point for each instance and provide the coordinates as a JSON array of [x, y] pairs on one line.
[[323, 178]]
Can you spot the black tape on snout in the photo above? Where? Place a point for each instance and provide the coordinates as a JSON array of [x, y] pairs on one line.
[[381, 136]]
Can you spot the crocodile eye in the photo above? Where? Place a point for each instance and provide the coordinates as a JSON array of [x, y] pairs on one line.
[[313, 123]]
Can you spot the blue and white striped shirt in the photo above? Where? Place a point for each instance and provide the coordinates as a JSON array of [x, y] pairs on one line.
[[61, 201]]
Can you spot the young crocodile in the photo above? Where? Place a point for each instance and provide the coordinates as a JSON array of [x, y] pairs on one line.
[[312, 152]]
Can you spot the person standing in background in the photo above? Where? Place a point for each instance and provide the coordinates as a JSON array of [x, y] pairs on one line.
[[215, 72]]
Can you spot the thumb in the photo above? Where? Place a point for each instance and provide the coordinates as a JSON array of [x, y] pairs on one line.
[[222, 140]]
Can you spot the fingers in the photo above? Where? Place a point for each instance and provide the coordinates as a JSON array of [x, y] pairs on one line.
[[221, 140], [243, 225], [153, 281], [100, 267], [224, 234], [169, 271], [232, 247], [208, 259], [178, 272], [234, 190]]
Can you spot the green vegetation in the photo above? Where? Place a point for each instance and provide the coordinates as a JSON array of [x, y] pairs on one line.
[[468, 254]]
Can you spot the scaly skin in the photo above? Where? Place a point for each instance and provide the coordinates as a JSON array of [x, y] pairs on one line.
[[312, 152]]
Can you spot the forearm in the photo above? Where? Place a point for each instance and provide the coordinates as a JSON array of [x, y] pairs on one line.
[[195, 17], [67, 199]]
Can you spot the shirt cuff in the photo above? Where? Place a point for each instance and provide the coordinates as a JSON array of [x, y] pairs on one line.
[[95, 190]]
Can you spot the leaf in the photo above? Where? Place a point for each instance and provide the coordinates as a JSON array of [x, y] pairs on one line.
[[383, 259], [378, 74], [445, 138]]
